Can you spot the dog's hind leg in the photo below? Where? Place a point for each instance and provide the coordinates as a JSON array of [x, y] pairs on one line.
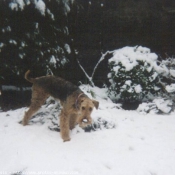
[[64, 126], [38, 99]]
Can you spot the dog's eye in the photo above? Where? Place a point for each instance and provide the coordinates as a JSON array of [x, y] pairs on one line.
[[83, 108], [90, 109]]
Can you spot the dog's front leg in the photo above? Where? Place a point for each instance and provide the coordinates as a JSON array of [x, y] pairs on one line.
[[64, 126], [72, 121]]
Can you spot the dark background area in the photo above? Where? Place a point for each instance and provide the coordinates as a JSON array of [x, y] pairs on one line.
[[95, 26], [149, 23]]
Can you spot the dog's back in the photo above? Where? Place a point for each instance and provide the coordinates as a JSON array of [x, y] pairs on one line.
[[56, 86]]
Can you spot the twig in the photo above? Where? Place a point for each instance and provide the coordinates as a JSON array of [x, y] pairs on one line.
[[87, 76], [100, 60]]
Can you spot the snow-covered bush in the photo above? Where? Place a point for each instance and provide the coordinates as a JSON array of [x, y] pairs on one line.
[[169, 63], [134, 74], [158, 105], [168, 81]]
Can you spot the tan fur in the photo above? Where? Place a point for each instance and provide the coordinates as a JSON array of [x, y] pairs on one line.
[[76, 106], [26, 76]]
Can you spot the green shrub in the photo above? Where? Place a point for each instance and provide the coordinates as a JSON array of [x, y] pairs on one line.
[[134, 74]]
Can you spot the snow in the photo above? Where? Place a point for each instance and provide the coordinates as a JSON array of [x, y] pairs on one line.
[[170, 88], [137, 73], [23, 44], [137, 145], [1, 45], [17, 4], [50, 14], [53, 60], [27, 2], [163, 105], [128, 82], [158, 105], [172, 72], [67, 8], [41, 6], [13, 6], [9, 29], [67, 48], [64, 61], [138, 88], [130, 56], [153, 77], [66, 31], [12, 42]]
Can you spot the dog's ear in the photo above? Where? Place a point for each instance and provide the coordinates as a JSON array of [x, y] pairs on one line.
[[96, 103]]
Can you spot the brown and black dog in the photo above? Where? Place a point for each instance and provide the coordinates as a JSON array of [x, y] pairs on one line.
[[76, 105]]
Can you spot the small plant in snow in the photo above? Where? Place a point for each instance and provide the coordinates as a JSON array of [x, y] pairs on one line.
[[134, 74], [168, 80], [158, 105], [169, 63]]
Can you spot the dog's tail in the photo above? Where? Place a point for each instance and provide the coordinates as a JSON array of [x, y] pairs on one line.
[[31, 80]]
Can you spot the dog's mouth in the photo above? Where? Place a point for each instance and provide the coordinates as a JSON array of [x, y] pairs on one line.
[[85, 122]]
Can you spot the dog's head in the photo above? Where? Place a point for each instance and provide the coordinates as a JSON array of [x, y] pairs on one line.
[[85, 107]]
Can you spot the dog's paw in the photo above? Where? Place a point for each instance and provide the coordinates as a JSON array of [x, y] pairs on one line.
[[66, 140], [24, 122]]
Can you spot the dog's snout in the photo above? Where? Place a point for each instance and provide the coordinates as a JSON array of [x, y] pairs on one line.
[[85, 120]]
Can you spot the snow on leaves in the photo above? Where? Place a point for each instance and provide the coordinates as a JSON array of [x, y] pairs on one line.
[[40, 6], [158, 105], [20, 4], [42, 40], [17, 5], [170, 88], [136, 74]]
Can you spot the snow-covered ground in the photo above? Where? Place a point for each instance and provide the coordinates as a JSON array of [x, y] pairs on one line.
[[134, 144]]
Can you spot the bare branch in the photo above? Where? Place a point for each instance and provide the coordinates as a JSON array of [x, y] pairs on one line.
[[101, 59], [87, 76]]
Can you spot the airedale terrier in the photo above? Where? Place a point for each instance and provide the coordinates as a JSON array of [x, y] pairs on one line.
[[76, 105]]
